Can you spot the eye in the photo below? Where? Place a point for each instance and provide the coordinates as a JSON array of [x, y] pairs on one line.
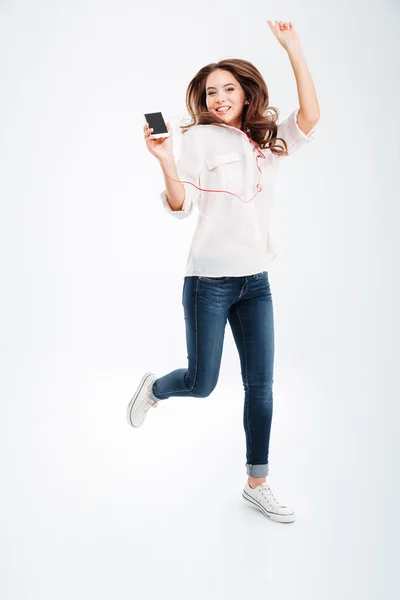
[[231, 89]]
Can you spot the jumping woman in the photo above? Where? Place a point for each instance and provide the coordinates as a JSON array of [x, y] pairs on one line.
[[227, 168]]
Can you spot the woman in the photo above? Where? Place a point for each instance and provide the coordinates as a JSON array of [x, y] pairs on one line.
[[231, 181]]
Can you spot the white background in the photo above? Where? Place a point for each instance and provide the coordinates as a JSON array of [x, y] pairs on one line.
[[91, 283]]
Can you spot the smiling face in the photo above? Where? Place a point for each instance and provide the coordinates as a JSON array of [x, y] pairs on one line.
[[224, 90]]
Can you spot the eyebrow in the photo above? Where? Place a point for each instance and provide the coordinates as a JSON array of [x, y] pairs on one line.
[[213, 88]]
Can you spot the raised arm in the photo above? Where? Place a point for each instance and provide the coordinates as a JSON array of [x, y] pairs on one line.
[[309, 113]]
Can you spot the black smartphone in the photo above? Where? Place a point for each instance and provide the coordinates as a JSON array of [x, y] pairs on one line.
[[157, 123]]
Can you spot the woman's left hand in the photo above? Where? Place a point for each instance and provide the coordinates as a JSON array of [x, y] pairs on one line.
[[284, 33]]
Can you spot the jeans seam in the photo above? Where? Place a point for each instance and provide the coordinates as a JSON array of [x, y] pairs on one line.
[[197, 343], [247, 380]]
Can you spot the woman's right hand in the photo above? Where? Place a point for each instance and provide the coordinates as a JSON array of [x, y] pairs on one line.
[[161, 148]]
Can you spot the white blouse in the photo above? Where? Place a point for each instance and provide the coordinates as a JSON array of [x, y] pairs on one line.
[[232, 237]]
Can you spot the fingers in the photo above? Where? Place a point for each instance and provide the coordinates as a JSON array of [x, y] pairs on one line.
[[148, 133], [147, 130], [280, 25], [284, 24]]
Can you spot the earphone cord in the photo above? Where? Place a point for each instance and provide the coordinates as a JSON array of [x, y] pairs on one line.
[[258, 186]]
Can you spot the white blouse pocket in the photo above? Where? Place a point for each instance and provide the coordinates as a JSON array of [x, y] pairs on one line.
[[224, 172]]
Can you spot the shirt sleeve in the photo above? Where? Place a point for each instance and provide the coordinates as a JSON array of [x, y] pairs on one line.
[[188, 167], [294, 137]]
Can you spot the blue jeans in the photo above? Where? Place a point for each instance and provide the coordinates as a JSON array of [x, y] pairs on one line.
[[247, 303]]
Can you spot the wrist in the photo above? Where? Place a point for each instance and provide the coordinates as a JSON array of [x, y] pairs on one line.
[[167, 161], [294, 49]]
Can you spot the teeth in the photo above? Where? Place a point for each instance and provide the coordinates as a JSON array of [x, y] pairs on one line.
[[223, 109]]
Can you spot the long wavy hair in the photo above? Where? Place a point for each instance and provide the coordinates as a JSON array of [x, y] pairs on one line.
[[259, 120]]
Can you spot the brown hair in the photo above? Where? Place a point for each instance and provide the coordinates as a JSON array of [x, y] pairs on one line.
[[260, 126]]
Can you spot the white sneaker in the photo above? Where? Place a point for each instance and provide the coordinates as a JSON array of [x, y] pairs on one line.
[[141, 401], [263, 498]]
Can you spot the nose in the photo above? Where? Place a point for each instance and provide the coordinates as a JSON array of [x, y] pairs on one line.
[[220, 99]]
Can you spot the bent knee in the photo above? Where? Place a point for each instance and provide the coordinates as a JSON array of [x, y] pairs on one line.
[[203, 389]]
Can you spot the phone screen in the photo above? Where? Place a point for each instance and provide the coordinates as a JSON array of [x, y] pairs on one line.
[[156, 122]]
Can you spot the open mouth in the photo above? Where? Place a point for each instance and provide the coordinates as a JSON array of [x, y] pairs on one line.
[[222, 110]]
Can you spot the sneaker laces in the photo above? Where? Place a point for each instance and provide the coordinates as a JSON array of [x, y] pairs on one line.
[[146, 402], [267, 493]]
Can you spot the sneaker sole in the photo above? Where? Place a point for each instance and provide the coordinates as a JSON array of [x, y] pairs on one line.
[[270, 515], [145, 379]]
